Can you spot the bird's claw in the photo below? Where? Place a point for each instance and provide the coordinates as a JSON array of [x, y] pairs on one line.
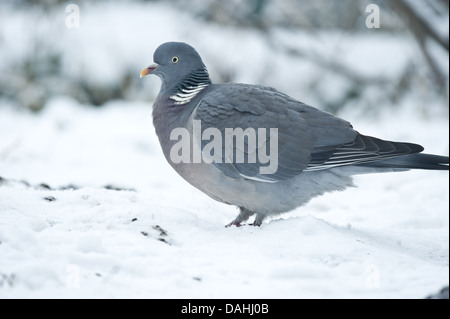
[[238, 224], [233, 223], [255, 223]]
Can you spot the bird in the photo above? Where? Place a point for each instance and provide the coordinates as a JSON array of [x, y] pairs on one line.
[[257, 148]]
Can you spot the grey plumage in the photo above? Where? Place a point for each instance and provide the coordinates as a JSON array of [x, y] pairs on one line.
[[317, 152]]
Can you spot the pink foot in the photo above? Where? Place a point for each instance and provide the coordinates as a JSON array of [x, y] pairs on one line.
[[233, 223]]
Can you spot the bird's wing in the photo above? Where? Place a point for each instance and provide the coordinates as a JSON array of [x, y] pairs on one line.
[[304, 133], [361, 151]]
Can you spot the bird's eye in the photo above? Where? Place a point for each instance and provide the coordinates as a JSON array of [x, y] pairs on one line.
[[175, 59]]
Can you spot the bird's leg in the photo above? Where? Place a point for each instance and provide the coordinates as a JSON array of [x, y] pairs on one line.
[[243, 216], [258, 220]]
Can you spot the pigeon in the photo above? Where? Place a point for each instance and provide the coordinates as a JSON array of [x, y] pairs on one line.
[[257, 148]]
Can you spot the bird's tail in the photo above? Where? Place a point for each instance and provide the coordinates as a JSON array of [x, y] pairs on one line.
[[412, 161]]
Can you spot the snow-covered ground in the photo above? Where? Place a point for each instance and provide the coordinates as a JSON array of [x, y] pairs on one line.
[[89, 207], [158, 237]]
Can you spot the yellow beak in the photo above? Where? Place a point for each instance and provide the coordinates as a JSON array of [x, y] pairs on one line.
[[148, 70]]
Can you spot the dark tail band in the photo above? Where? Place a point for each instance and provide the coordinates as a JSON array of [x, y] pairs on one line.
[[413, 161]]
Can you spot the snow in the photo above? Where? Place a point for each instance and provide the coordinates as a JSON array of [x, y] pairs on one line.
[[89, 208], [158, 237]]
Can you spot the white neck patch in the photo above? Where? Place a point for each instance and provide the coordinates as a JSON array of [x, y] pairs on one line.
[[185, 95]]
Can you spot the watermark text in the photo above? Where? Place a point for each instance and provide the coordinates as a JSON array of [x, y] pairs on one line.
[[238, 145]]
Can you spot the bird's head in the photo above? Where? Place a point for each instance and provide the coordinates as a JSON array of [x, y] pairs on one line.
[[174, 61]]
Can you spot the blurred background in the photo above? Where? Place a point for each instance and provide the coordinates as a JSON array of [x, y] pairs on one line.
[[320, 52], [76, 128]]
